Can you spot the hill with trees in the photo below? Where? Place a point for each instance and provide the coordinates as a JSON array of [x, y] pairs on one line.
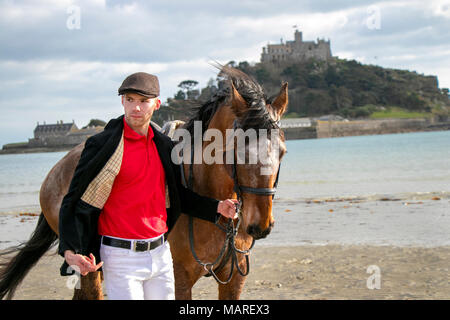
[[341, 87]]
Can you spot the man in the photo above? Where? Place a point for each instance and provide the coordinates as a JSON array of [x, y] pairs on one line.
[[125, 197]]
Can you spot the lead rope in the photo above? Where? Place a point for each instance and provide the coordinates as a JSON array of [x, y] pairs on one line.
[[230, 231]]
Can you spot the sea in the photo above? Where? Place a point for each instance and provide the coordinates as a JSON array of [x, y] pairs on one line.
[[391, 189]]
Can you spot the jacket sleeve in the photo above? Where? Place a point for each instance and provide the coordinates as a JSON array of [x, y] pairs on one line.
[[198, 206], [69, 234]]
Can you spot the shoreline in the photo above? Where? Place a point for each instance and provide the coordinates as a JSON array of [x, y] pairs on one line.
[[302, 272], [35, 150], [300, 133]]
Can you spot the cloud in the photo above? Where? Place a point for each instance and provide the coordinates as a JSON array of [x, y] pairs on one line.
[[51, 72], [53, 90]]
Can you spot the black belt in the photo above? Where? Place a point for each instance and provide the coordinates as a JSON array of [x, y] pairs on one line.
[[135, 245]]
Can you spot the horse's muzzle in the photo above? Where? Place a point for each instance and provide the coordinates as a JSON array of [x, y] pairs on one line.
[[257, 233]]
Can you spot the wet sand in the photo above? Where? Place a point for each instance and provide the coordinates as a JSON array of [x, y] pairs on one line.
[[303, 272], [334, 243]]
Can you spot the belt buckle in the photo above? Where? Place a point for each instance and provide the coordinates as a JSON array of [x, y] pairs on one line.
[[141, 245]]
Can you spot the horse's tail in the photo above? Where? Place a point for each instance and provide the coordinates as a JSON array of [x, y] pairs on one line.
[[28, 254]]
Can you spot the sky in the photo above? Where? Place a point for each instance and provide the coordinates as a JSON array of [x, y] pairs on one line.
[[64, 59]]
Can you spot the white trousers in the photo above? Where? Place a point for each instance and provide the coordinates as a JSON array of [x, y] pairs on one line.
[[130, 275]]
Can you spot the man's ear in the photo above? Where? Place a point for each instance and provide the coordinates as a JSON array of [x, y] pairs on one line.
[[158, 104], [122, 97]]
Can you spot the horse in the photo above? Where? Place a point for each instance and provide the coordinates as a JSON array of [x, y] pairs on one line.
[[241, 104]]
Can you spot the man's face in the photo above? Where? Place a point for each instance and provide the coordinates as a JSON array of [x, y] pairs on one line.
[[139, 109]]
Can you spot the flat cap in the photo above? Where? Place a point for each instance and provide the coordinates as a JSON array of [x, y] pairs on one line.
[[141, 83]]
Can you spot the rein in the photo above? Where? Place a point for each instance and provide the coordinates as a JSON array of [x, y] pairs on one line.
[[228, 249]]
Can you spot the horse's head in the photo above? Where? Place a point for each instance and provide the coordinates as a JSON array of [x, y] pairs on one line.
[[243, 145], [259, 148]]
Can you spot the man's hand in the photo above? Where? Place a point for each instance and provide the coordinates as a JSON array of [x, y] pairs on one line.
[[227, 208], [85, 264]]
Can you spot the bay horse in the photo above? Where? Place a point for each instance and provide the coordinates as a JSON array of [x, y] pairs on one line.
[[241, 103]]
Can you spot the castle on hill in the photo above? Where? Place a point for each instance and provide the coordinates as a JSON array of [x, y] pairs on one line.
[[297, 50]]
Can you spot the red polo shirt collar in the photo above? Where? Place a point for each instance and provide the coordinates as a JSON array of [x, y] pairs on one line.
[[129, 133]]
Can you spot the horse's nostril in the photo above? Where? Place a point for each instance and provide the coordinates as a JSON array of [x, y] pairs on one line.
[[251, 230], [256, 232]]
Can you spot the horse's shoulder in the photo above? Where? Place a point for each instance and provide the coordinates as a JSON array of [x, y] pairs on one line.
[[74, 153]]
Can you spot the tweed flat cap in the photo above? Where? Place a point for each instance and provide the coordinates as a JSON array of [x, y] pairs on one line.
[[141, 83]]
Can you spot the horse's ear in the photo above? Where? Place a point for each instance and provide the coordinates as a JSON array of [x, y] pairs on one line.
[[280, 103], [238, 104]]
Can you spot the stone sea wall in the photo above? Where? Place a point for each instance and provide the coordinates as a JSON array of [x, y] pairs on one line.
[[330, 129]]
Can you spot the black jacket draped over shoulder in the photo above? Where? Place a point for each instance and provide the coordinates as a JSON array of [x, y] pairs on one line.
[[78, 220]]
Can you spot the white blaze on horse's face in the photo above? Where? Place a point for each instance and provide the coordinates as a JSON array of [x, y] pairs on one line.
[[260, 150], [269, 151]]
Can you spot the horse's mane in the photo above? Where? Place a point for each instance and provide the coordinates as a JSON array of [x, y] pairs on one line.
[[255, 117]]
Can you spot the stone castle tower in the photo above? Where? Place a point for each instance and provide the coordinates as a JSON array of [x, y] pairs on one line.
[[297, 50]]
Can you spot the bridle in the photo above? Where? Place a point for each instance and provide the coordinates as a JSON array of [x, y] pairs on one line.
[[230, 229]]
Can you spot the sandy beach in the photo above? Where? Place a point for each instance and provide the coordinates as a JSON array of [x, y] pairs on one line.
[[347, 257], [302, 272]]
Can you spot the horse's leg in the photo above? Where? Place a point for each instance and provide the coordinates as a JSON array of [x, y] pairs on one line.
[[186, 270], [91, 287], [233, 289], [184, 281]]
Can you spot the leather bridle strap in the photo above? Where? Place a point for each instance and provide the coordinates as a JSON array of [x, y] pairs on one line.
[[258, 191]]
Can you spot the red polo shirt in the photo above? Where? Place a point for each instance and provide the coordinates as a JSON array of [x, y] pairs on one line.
[[136, 207]]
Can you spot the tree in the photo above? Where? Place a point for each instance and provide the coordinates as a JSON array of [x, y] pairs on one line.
[[294, 75], [180, 95], [244, 66], [315, 81], [193, 94], [342, 98], [95, 123], [262, 75], [318, 102], [187, 85], [414, 101], [332, 77]]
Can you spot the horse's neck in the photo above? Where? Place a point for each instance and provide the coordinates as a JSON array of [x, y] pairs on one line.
[[213, 179]]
